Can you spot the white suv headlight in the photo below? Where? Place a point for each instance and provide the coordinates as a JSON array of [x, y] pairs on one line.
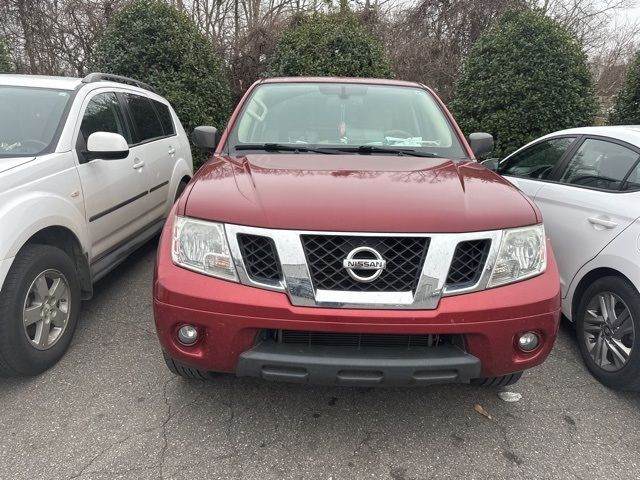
[[523, 254], [202, 246]]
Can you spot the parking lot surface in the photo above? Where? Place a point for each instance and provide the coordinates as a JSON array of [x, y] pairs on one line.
[[111, 409]]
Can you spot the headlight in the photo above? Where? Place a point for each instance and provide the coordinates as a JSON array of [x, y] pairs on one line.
[[202, 246], [523, 254]]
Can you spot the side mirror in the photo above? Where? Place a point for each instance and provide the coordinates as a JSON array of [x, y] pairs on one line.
[[491, 163], [106, 146], [481, 143], [205, 137]]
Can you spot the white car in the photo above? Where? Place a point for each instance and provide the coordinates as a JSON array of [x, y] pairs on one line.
[[89, 170], [586, 182]]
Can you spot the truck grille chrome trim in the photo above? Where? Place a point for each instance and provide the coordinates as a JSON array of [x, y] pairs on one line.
[[402, 256], [431, 284]]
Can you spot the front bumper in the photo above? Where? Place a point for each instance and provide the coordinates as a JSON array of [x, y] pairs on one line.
[[359, 367], [229, 317]]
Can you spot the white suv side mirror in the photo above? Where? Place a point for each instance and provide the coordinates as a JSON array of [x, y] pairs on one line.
[[107, 146]]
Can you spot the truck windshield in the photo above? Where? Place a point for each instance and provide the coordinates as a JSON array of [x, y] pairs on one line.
[[29, 118], [345, 117]]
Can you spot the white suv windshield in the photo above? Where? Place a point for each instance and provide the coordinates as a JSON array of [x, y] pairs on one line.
[[346, 114], [29, 118]]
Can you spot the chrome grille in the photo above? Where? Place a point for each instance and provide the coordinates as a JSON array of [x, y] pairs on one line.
[[404, 257], [424, 280]]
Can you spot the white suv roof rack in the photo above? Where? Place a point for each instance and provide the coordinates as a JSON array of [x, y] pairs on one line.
[[108, 77]]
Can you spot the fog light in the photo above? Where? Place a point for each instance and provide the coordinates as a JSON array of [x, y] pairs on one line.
[[187, 335], [528, 341]]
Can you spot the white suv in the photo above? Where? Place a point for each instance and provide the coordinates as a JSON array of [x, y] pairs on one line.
[[89, 170]]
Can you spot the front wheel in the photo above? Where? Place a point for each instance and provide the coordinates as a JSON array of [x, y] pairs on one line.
[[608, 329], [185, 371], [39, 305], [501, 381]]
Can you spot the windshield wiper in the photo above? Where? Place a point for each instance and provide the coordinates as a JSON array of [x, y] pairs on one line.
[[369, 149], [362, 149], [280, 147]]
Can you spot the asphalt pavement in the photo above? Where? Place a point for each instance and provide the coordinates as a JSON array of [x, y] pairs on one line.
[[111, 409]]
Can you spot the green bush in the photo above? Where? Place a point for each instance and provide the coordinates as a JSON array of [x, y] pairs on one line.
[[626, 105], [329, 45], [5, 61], [154, 42], [524, 78]]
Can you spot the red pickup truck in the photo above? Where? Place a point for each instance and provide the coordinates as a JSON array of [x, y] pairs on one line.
[[344, 234]]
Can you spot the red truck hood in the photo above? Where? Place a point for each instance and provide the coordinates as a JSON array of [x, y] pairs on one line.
[[358, 193]]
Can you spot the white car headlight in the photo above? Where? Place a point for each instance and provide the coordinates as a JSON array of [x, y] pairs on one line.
[[523, 254], [202, 246]]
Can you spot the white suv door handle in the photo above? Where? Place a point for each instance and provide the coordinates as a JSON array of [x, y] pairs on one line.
[[172, 151], [602, 222], [138, 164]]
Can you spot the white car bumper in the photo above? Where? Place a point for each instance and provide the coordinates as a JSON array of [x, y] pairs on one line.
[[4, 269]]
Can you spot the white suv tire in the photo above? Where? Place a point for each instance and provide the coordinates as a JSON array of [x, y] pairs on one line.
[[39, 306]]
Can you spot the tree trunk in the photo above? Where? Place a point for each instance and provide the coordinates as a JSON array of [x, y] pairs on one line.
[[27, 31]]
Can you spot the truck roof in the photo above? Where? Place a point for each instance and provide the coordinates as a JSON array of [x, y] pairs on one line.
[[370, 81]]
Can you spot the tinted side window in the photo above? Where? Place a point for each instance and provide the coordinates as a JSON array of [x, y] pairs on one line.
[[599, 164], [103, 114], [537, 161], [145, 119], [165, 118]]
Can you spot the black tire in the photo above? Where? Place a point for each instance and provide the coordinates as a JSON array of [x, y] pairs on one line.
[[627, 377], [185, 371], [501, 381], [181, 186], [17, 356]]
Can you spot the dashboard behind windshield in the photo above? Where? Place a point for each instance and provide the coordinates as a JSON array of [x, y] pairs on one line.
[[346, 114], [29, 119]]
